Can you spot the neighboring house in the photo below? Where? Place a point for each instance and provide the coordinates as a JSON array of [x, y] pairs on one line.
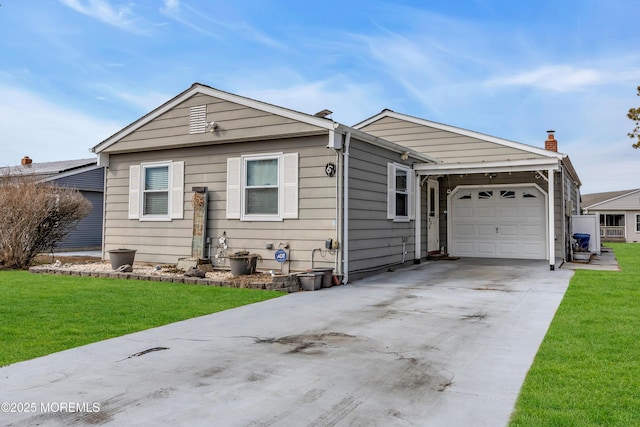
[[359, 199], [619, 214], [83, 175]]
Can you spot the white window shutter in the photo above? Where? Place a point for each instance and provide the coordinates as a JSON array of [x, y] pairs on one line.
[[233, 187], [391, 191], [411, 182], [134, 192], [290, 185], [177, 190]]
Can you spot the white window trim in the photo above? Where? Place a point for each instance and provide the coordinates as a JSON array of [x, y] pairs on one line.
[[391, 192], [250, 217], [287, 187], [637, 218], [175, 190]]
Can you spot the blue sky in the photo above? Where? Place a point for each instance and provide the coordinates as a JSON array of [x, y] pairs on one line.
[[73, 72]]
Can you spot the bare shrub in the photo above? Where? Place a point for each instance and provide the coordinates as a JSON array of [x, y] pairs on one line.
[[34, 217]]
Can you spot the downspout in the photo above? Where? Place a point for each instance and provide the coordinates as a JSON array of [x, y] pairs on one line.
[[417, 257], [338, 258], [345, 210], [552, 224]]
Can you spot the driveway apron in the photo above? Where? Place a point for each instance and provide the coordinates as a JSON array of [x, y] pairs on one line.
[[442, 343]]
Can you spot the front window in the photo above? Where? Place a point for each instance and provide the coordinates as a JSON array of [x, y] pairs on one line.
[[261, 186], [156, 191], [400, 197], [402, 193], [637, 223]]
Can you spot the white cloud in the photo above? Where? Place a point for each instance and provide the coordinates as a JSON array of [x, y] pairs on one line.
[[350, 102], [558, 78], [120, 16], [45, 131]]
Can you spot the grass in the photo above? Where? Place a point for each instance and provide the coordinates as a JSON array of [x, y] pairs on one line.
[[587, 370], [42, 314]]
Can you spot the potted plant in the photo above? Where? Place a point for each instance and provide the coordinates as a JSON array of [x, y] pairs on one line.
[[243, 263], [120, 257]]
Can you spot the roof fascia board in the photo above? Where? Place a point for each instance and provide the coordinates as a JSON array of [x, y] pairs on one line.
[[460, 131], [502, 166], [70, 173], [205, 90]]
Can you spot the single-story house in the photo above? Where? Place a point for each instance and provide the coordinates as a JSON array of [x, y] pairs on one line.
[[618, 212], [210, 173], [83, 175]]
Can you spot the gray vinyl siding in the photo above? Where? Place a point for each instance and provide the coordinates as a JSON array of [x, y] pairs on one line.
[[87, 235], [166, 242], [375, 242], [448, 147], [236, 122], [91, 180]]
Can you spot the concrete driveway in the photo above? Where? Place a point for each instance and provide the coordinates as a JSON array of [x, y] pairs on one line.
[[443, 343]]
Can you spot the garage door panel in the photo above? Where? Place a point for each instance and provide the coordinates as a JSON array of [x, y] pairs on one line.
[[508, 212], [535, 212], [486, 230], [486, 249], [464, 248], [510, 226], [531, 231], [464, 230], [509, 231], [464, 212], [508, 249], [486, 211]]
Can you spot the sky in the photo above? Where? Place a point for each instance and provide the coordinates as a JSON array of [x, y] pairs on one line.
[[74, 72]]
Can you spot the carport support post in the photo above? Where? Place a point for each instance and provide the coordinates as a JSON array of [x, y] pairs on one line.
[[551, 220], [418, 221]]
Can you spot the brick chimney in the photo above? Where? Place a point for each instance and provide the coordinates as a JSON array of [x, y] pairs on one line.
[[551, 144], [26, 161]]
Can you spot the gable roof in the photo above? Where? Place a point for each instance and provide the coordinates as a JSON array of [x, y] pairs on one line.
[[199, 88], [462, 150], [595, 199], [460, 131], [317, 123], [48, 169]]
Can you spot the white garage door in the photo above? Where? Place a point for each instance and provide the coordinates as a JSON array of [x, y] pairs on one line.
[[499, 222]]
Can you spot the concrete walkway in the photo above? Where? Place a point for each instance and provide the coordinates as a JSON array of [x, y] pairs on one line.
[[446, 343]]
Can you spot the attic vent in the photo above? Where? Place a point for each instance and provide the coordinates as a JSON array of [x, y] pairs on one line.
[[198, 119]]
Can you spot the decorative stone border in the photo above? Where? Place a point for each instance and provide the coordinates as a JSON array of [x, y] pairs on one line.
[[283, 283]]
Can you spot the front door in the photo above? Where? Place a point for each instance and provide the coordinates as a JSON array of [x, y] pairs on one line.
[[433, 215]]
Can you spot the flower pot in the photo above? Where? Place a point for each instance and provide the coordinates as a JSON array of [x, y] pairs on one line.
[[327, 277], [311, 281], [120, 257], [243, 265]]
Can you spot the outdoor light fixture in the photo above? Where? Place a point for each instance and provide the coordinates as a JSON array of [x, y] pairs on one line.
[[212, 126]]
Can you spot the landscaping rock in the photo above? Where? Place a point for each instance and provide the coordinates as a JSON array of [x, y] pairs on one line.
[[195, 272], [125, 268]]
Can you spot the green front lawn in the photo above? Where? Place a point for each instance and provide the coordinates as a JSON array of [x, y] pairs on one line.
[[41, 314], [587, 371]]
